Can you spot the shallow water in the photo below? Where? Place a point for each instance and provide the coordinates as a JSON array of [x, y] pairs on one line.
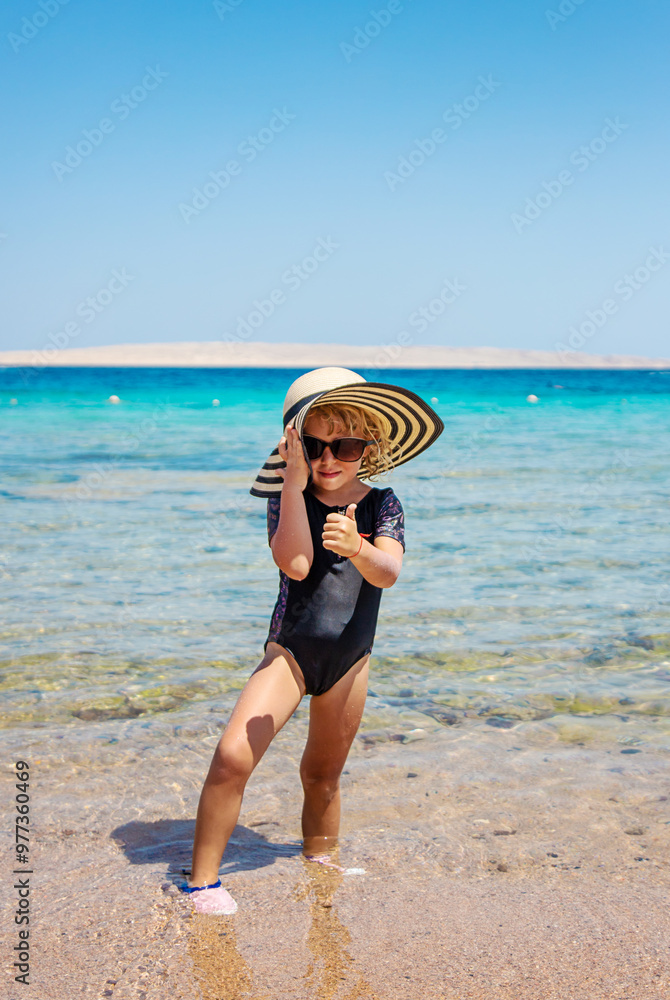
[[136, 580]]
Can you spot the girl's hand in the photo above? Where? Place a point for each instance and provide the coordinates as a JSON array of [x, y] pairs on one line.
[[340, 533], [297, 471]]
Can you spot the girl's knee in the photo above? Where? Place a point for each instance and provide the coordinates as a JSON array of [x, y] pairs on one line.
[[231, 764], [324, 783]]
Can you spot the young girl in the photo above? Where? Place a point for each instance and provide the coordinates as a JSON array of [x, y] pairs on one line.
[[337, 542]]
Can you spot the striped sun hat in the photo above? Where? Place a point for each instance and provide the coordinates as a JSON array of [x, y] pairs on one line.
[[414, 425]]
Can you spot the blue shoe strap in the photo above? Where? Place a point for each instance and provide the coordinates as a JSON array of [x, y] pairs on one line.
[[198, 888]]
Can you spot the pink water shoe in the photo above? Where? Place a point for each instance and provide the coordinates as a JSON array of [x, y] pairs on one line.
[[213, 899]]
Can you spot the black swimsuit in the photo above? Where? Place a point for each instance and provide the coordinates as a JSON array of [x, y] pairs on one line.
[[327, 621]]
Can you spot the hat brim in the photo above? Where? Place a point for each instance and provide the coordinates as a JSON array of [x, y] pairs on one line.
[[414, 426]]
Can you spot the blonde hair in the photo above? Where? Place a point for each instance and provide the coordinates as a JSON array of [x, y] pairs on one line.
[[360, 422]]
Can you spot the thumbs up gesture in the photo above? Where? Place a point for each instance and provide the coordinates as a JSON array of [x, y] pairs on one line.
[[340, 533]]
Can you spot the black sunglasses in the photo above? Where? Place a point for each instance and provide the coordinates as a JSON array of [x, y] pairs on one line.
[[343, 449]]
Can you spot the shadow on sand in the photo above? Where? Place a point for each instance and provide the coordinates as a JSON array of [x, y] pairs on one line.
[[170, 841]]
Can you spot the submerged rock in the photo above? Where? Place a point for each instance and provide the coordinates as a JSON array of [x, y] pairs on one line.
[[375, 736], [93, 714], [414, 734], [440, 714], [640, 640]]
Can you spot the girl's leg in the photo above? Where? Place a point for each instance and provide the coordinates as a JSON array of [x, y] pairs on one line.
[[334, 719], [268, 700]]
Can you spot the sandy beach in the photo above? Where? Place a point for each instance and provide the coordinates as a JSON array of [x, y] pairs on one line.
[[241, 354], [498, 863], [507, 796]]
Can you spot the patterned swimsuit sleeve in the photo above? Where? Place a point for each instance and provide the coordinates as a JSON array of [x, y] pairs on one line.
[[273, 516], [280, 606], [391, 519]]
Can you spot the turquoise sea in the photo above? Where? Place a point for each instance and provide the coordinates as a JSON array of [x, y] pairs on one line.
[[137, 582]]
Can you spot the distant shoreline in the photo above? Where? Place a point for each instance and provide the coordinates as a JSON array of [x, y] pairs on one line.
[[240, 354]]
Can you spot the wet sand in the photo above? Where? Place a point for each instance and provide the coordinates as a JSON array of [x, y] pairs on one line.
[[499, 863]]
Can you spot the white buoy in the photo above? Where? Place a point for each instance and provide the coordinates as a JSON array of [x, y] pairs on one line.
[[216, 402], [113, 399], [13, 402], [434, 399], [532, 399]]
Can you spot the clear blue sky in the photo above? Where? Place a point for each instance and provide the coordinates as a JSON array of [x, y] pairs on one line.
[[331, 172]]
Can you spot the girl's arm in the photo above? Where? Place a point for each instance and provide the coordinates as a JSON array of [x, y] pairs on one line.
[[379, 563], [291, 544]]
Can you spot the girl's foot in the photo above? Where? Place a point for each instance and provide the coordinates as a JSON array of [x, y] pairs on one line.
[[323, 859], [327, 862], [213, 900]]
